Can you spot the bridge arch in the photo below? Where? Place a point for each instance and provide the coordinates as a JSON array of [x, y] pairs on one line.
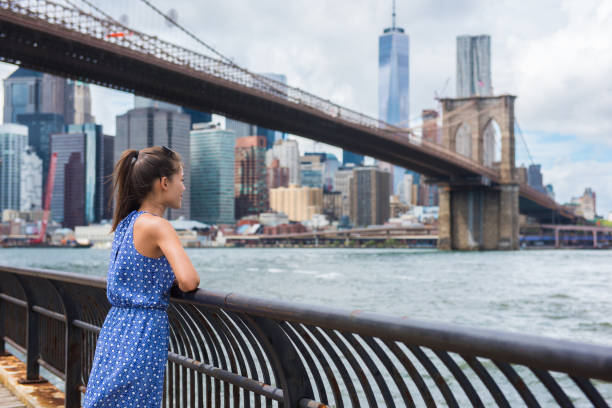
[[463, 140], [490, 120], [491, 144]]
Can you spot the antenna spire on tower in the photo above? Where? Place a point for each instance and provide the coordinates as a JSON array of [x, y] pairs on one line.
[[393, 16]]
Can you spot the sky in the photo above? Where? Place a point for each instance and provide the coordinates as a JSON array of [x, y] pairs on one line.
[[555, 56]]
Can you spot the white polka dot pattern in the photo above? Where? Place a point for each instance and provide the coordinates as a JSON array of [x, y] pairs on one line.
[[132, 347]]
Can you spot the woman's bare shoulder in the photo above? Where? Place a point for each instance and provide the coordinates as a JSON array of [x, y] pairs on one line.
[[153, 225]]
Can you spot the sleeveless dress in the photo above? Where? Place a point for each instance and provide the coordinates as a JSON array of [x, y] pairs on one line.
[[132, 348]]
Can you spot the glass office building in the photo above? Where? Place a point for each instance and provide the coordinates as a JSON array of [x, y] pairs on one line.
[[212, 174], [70, 176], [13, 144], [393, 83], [94, 169]]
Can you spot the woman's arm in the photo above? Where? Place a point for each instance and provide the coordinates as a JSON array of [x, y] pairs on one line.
[[168, 241]]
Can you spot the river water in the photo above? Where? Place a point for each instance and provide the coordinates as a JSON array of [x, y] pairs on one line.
[[565, 294]]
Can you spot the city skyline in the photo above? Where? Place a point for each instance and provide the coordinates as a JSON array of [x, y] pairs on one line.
[[570, 137]]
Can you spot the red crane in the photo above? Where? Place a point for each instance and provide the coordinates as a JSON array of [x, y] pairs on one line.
[[50, 178]]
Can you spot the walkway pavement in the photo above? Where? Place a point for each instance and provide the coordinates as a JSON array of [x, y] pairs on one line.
[[8, 399], [15, 395]]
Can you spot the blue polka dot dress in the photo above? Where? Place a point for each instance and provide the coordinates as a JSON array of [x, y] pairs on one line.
[[132, 347]]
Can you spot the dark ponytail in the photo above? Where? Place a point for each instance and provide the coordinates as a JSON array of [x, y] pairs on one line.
[[134, 174]]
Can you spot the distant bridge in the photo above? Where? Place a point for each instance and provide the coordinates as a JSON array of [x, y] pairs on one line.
[[65, 41]]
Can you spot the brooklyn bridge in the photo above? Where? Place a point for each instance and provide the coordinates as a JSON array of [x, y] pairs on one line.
[[474, 191]]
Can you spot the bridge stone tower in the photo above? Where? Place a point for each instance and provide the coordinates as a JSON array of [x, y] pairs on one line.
[[478, 213]]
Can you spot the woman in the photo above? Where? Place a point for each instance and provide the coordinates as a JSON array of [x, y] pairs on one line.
[[146, 259]]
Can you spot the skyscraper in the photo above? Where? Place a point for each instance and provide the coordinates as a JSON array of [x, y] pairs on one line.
[[13, 144], [109, 165], [78, 103], [212, 174], [75, 191], [369, 195], [30, 196], [474, 66], [342, 183], [534, 177], [144, 127], [27, 91], [196, 116], [96, 170], [394, 84], [276, 176], [40, 128], [70, 176], [288, 154], [312, 168], [250, 190]]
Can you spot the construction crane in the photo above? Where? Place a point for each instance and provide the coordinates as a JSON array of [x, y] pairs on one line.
[[47, 205]]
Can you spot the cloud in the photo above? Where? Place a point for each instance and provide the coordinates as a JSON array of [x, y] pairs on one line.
[[571, 178], [563, 79]]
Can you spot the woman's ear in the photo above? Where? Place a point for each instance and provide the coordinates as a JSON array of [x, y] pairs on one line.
[[164, 182]]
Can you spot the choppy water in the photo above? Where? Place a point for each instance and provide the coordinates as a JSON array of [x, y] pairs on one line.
[[564, 294], [559, 293]]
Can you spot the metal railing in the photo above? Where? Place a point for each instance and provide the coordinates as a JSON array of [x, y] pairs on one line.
[[233, 350]]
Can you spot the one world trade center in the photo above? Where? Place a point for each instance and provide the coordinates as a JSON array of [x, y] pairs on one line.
[[393, 86]]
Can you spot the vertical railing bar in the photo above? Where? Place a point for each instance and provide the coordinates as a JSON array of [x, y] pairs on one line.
[[391, 369], [435, 374], [487, 380], [235, 352], [181, 371], [590, 391], [351, 358], [72, 346], [348, 382], [518, 383], [217, 353], [200, 351], [259, 352], [287, 366], [242, 352], [183, 314], [227, 388], [309, 361], [171, 366], [186, 348], [555, 390], [32, 338], [412, 372], [461, 378], [316, 350]]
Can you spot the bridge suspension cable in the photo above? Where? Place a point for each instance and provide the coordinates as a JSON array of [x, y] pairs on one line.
[[523, 139], [267, 81]]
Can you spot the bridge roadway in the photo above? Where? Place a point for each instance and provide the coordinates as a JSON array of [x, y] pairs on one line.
[[44, 36]]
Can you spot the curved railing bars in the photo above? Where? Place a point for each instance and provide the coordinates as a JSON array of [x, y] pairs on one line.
[[231, 350]]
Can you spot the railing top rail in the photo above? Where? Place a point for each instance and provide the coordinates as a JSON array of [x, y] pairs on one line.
[[589, 360]]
